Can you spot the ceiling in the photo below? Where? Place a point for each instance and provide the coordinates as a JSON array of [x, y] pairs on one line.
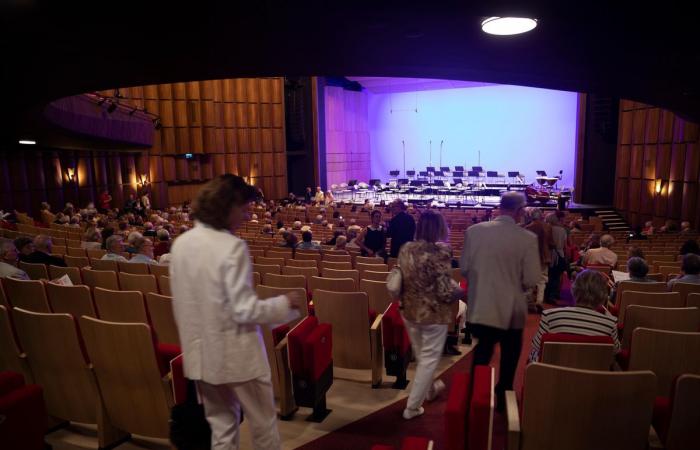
[[49, 50], [392, 85]]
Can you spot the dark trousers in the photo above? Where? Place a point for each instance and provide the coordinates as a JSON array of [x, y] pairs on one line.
[[511, 341], [552, 290]]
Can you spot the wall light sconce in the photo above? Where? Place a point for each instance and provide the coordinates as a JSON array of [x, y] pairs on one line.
[[70, 172], [143, 180]]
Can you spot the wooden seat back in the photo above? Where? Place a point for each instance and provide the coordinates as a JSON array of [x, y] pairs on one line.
[[104, 264], [377, 294], [11, 357], [134, 268], [285, 281], [374, 276], [26, 294], [686, 288], [372, 260], [362, 268], [72, 272], [352, 274], [302, 263], [106, 279], [335, 265], [331, 284], [316, 257], [120, 306], [666, 353], [164, 285], [35, 271], [262, 269], [159, 270], [96, 253], [693, 300], [327, 257], [76, 261], [683, 432], [269, 261], [270, 291], [143, 283], [639, 287], [135, 397], [75, 251], [307, 272], [655, 299], [160, 310], [579, 355], [73, 300], [671, 319]]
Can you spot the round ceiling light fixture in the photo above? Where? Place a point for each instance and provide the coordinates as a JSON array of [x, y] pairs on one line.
[[506, 26]]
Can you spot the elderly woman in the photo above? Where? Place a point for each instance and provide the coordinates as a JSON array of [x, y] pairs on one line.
[[93, 239], [143, 249], [115, 246], [426, 292], [163, 245], [590, 290]]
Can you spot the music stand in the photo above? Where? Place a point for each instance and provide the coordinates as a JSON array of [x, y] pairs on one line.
[[473, 173], [375, 182], [444, 169], [352, 183], [457, 181], [513, 174], [438, 174], [491, 174], [542, 173], [402, 181], [410, 173], [394, 173], [459, 168], [477, 169], [430, 169], [423, 174], [458, 174]]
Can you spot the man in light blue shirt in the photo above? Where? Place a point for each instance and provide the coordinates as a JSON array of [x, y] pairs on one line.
[[691, 271], [115, 246], [306, 243], [143, 248]]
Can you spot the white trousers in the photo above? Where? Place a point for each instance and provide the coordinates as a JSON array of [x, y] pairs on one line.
[[462, 315], [427, 342], [222, 407], [544, 277]]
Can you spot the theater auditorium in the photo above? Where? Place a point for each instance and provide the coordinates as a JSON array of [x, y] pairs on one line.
[[355, 225]]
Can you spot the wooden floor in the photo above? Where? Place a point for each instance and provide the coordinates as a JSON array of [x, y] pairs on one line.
[[350, 398]]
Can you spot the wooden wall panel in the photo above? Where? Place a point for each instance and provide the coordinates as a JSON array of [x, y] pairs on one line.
[[658, 166]]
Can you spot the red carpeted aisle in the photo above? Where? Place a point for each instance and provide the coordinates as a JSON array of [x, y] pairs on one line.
[[386, 426]]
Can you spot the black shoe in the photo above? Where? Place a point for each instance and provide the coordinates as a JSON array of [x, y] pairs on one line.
[[451, 351], [500, 402]]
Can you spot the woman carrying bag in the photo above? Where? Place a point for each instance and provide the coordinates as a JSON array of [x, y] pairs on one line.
[[422, 281]]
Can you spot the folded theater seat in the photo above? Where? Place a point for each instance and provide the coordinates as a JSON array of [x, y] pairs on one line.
[[470, 410], [409, 443], [310, 349], [23, 419], [397, 346]]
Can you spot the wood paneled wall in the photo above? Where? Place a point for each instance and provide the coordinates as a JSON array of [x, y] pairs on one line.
[[229, 126], [658, 166]]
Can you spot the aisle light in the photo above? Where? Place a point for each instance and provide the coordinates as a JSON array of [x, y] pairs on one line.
[[506, 26], [27, 142]]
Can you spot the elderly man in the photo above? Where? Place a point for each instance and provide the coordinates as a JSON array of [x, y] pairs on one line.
[[545, 243], [402, 227], [602, 256], [318, 198], [306, 242], [558, 264], [115, 247], [42, 252], [691, 271], [8, 262], [143, 250], [500, 261]]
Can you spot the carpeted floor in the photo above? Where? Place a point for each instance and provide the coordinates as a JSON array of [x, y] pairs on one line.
[[386, 426]]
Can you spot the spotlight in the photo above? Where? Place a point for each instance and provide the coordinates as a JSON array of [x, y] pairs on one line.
[[112, 107], [506, 26], [156, 123], [27, 142]]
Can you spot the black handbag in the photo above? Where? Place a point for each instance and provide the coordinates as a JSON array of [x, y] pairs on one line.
[[189, 429]]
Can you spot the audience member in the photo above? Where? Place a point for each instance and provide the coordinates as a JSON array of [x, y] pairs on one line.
[[148, 229], [352, 240], [218, 314], [690, 246], [43, 245], [558, 265], [143, 250], [545, 244], [601, 256], [318, 198], [328, 198], [372, 240], [105, 202], [590, 291], [500, 261], [635, 251], [308, 195], [106, 233], [637, 268], [402, 227], [354, 226], [93, 239], [115, 247], [307, 243], [24, 246], [340, 243], [146, 202], [9, 260], [648, 229], [690, 269], [163, 245], [685, 228]]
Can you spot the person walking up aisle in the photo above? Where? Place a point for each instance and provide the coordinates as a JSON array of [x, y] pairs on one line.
[[426, 290], [501, 262], [218, 315]]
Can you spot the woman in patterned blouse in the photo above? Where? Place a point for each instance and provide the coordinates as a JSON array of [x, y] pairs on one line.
[[426, 293]]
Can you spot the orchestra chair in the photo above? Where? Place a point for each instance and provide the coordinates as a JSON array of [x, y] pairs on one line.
[[35, 271], [639, 287], [73, 300], [104, 264], [362, 268], [133, 268], [120, 306], [693, 300], [24, 419], [302, 263], [357, 340], [378, 294], [26, 294], [76, 261], [144, 411], [269, 261], [408, 443], [159, 270], [73, 273], [621, 402], [670, 319], [285, 281], [686, 288], [368, 260], [164, 285], [655, 299], [577, 351], [331, 284], [337, 258], [264, 292], [310, 350], [11, 356], [682, 431], [374, 276], [469, 413], [397, 345], [60, 365], [134, 282], [263, 269], [352, 274], [335, 265], [306, 272], [106, 279], [160, 311], [96, 253]]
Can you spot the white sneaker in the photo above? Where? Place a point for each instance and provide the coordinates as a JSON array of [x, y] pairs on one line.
[[411, 413], [434, 391]]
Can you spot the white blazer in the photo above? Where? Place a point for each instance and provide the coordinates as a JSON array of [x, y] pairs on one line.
[[216, 309], [501, 261]]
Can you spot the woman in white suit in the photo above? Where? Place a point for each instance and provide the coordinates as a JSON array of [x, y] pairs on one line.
[[218, 315]]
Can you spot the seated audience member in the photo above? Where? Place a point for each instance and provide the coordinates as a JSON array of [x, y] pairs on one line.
[[648, 229], [690, 246], [372, 240], [143, 250], [670, 226], [106, 233], [590, 291], [354, 226], [9, 260], [74, 221], [638, 269], [24, 246], [267, 229], [308, 195], [332, 240], [318, 198], [328, 198], [163, 245], [306, 243], [296, 226], [635, 251], [123, 229], [279, 225], [289, 239], [685, 228], [254, 218], [93, 239], [352, 241], [164, 259], [148, 229], [340, 243], [690, 268], [602, 256], [114, 246], [42, 252]]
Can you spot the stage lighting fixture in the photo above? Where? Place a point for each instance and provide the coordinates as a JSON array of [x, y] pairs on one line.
[[156, 123], [506, 26], [27, 142], [112, 107]]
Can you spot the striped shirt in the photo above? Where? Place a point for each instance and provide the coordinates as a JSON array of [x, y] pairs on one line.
[[574, 320]]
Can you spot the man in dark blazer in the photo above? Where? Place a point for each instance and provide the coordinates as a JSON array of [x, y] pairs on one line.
[[42, 253], [402, 227]]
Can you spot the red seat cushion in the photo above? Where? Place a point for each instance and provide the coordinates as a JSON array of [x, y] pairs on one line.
[[481, 409], [24, 418], [166, 353], [383, 447], [661, 418], [9, 381], [179, 381], [394, 332], [415, 443], [279, 333], [295, 339], [615, 310], [456, 412], [623, 358], [318, 351]]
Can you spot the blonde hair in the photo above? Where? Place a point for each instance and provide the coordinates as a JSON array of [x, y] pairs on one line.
[[431, 227]]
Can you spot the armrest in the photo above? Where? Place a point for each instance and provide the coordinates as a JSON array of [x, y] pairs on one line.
[[375, 342], [513, 418], [286, 393]]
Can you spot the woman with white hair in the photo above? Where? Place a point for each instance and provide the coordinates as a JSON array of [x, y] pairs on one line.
[[143, 248], [601, 256], [9, 260], [93, 239]]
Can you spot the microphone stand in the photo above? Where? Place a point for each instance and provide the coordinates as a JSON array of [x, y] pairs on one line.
[[430, 146], [403, 143], [441, 152]]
